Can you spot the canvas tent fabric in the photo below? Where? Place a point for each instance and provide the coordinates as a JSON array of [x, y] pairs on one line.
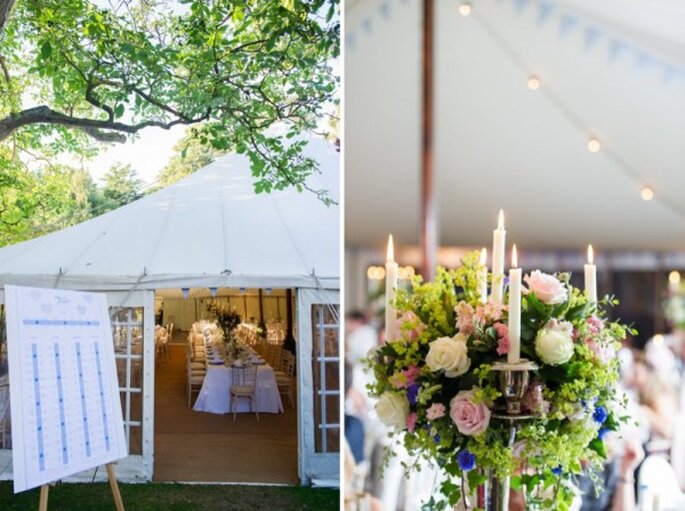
[[614, 70], [208, 230]]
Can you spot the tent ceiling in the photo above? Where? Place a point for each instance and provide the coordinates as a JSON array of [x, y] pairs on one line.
[[499, 144], [209, 229]]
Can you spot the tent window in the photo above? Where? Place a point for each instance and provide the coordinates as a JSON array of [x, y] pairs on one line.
[[326, 376], [127, 331]]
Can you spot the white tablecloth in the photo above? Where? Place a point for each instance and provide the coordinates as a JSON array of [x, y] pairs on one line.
[[215, 394]]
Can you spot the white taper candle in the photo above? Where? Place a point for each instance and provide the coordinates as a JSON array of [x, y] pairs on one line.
[[391, 277], [498, 243], [514, 355], [590, 276]]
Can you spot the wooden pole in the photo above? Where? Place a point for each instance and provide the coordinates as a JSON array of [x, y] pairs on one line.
[[261, 305], [429, 236], [114, 487], [43, 503]]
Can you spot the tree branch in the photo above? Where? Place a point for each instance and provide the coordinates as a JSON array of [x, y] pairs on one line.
[[99, 129], [5, 8]]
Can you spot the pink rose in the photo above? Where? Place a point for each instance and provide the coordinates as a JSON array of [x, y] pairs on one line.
[[471, 418], [411, 422], [435, 411], [547, 288]]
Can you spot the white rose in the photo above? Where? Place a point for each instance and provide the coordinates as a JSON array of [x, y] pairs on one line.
[[392, 409], [449, 354], [554, 342]]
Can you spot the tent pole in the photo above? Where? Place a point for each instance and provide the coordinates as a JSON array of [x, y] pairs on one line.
[[289, 341], [429, 238]]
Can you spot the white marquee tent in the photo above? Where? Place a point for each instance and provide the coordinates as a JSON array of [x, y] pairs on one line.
[[207, 230]]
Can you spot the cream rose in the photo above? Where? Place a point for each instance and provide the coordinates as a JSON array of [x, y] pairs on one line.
[[449, 354], [393, 409], [554, 342], [546, 288]]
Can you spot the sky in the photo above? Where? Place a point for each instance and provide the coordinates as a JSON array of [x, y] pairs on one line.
[[148, 154]]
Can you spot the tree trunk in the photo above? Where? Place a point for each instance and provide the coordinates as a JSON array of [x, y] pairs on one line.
[[5, 8]]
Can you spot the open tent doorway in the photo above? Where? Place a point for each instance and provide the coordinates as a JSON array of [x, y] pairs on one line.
[[196, 438]]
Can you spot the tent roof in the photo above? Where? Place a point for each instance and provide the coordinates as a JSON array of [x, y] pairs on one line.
[[612, 69], [209, 229]]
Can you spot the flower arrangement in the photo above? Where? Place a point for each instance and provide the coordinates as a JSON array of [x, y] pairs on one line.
[[227, 319], [437, 389]]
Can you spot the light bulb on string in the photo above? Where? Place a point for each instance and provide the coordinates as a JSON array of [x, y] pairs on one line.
[[533, 82], [647, 193], [465, 9], [593, 145]]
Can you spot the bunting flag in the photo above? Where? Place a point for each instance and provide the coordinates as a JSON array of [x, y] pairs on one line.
[[593, 36]]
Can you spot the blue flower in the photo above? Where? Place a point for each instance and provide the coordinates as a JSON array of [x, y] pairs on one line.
[[602, 433], [557, 470], [600, 415], [412, 393], [436, 439], [466, 460]]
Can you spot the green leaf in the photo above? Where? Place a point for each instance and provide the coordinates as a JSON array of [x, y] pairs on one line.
[[46, 50]]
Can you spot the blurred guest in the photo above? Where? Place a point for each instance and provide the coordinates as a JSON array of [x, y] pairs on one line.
[[656, 396], [360, 338]]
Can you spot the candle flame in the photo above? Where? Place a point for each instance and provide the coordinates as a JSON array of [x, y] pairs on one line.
[[590, 255], [500, 220], [514, 257], [484, 256], [391, 249]]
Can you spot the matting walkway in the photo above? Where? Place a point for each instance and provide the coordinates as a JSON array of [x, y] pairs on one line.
[[205, 447]]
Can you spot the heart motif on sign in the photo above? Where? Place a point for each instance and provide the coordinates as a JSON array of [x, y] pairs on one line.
[[35, 294], [82, 309], [46, 307]]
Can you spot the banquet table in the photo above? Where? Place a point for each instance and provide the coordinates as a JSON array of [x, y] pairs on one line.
[[215, 396]]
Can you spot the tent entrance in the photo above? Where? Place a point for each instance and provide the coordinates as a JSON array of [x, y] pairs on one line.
[[208, 446]]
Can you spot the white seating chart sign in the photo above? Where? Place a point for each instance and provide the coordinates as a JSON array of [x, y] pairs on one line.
[[64, 394]]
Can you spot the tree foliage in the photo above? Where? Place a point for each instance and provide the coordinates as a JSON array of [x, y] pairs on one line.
[[49, 197], [73, 72], [190, 155]]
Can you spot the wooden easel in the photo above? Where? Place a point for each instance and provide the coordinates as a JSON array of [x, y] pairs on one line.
[[43, 505]]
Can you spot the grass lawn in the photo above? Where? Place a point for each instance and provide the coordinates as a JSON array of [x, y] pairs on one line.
[[172, 497]]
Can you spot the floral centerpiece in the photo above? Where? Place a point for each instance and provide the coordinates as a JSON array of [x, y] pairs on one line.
[[437, 389], [227, 319]]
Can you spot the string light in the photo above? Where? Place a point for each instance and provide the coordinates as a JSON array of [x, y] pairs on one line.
[[647, 193], [593, 145], [375, 273], [674, 277], [406, 272], [465, 9], [658, 339], [533, 83]]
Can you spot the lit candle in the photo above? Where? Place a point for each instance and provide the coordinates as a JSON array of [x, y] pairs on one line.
[[391, 273], [483, 276], [498, 240], [590, 276], [514, 355]]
